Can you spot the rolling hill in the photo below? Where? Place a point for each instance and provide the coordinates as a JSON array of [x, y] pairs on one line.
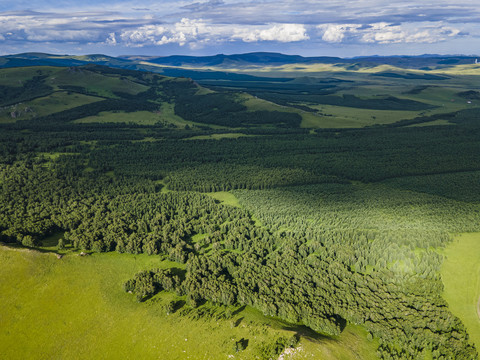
[[221, 61]]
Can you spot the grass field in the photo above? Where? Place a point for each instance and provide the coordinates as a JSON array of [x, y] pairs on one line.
[[225, 198], [102, 85], [55, 102], [461, 277], [138, 117], [165, 115], [255, 104], [16, 76], [433, 123], [441, 94], [348, 117], [75, 307], [444, 99], [168, 116], [58, 76], [59, 101]]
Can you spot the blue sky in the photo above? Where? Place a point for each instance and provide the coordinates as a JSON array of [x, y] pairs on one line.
[[304, 27]]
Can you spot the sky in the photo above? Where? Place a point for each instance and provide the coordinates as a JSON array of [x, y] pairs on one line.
[[304, 27]]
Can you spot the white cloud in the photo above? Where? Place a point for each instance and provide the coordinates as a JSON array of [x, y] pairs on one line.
[[147, 34], [280, 32], [197, 33], [181, 32], [335, 33], [387, 33], [383, 33], [111, 40]]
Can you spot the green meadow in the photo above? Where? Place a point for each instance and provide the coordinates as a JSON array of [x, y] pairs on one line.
[[75, 307], [100, 84], [461, 277], [138, 117], [55, 102]]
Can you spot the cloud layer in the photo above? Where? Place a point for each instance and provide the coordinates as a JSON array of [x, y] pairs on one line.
[[303, 24], [387, 33]]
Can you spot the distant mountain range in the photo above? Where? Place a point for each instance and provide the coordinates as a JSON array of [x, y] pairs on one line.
[[194, 66], [277, 59]]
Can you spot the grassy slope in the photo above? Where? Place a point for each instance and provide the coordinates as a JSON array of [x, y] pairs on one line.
[[348, 117], [432, 123], [103, 85], [75, 308], [168, 116], [16, 76], [256, 104], [461, 277], [55, 102]]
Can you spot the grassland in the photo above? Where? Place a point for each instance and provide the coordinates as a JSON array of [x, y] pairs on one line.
[[17, 76], [255, 104], [441, 94], [60, 101], [443, 100], [55, 102], [100, 84], [461, 277], [75, 307], [348, 117], [225, 198], [138, 117], [432, 123], [167, 116], [56, 77], [363, 82]]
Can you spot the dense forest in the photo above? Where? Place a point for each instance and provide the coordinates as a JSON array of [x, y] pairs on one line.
[[334, 226]]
